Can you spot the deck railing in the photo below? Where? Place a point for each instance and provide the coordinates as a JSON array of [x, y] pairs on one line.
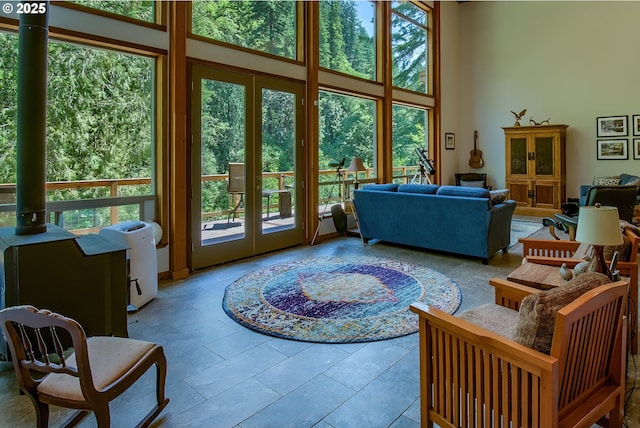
[[114, 199]]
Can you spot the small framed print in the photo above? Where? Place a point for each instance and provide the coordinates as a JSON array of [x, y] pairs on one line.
[[635, 124], [612, 126], [612, 149], [449, 141], [636, 148]]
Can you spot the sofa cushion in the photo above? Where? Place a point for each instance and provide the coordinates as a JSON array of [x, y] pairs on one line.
[[499, 196], [388, 187], [418, 188], [469, 192], [472, 183], [612, 180], [537, 315], [498, 319]]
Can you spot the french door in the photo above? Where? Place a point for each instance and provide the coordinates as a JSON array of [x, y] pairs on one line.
[[246, 164]]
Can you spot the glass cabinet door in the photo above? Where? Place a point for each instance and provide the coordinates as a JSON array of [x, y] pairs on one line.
[[518, 155], [544, 155]]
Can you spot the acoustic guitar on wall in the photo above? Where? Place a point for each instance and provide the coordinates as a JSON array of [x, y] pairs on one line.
[[476, 154]]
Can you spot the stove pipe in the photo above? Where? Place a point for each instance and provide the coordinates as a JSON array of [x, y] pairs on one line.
[[31, 195]]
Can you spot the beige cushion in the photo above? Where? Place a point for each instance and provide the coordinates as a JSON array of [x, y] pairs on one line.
[[109, 358], [495, 318], [537, 315]]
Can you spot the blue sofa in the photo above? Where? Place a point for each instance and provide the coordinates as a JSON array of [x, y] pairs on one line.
[[461, 220]]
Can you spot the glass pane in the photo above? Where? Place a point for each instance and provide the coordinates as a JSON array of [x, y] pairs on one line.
[[409, 47], [410, 132], [347, 37], [222, 162], [544, 155], [278, 156], [142, 10], [518, 155], [347, 130], [266, 26], [99, 124]]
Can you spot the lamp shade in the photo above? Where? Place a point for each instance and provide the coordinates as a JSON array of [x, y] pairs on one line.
[[599, 225], [356, 165]]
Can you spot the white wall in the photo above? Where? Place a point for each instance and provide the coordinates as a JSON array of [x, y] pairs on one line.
[[570, 61]]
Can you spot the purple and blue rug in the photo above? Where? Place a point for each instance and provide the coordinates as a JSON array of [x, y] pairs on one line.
[[338, 299]]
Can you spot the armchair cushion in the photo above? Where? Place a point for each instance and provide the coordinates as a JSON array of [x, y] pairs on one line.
[[537, 315], [498, 319]]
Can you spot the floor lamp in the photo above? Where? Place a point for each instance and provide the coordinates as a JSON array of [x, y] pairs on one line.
[[355, 167], [599, 226]]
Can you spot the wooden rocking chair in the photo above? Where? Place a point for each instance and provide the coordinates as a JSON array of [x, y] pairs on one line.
[[98, 370]]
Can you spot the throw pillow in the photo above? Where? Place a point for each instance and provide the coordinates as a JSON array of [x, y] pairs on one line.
[[626, 225], [499, 196], [538, 311], [471, 183], [613, 180]]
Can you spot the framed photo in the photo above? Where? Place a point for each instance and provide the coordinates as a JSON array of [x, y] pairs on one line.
[[636, 148], [612, 126], [635, 124], [449, 141], [613, 149]]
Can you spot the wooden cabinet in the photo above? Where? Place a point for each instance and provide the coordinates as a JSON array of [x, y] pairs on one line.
[[536, 167]]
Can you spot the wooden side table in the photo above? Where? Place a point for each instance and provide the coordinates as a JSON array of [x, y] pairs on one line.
[[538, 276]]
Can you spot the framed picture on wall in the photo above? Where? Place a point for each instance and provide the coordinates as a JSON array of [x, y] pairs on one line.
[[449, 141], [612, 126], [636, 148], [612, 149], [635, 124]]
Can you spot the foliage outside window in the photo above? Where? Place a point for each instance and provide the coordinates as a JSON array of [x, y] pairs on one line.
[[99, 122], [347, 37], [347, 129], [409, 44], [266, 26], [136, 9], [409, 132]]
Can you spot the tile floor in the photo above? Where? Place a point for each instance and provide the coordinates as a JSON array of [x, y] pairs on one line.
[[221, 374]]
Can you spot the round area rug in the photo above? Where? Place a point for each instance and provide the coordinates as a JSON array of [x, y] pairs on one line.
[[338, 299]]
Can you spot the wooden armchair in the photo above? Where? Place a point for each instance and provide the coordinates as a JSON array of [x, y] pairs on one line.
[[98, 370], [555, 253], [472, 377]]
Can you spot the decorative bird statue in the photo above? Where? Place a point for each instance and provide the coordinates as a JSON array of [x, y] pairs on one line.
[[518, 116], [565, 273]]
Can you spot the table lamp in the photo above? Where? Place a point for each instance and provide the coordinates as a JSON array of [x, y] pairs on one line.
[[599, 226], [356, 166]]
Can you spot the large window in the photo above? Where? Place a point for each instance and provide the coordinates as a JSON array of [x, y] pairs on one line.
[[409, 42], [136, 9], [410, 132], [347, 37], [267, 26], [347, 130], [100, 139]]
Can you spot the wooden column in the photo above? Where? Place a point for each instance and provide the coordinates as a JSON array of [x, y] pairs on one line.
[[312, 43], [178, 147], [385, 110]]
